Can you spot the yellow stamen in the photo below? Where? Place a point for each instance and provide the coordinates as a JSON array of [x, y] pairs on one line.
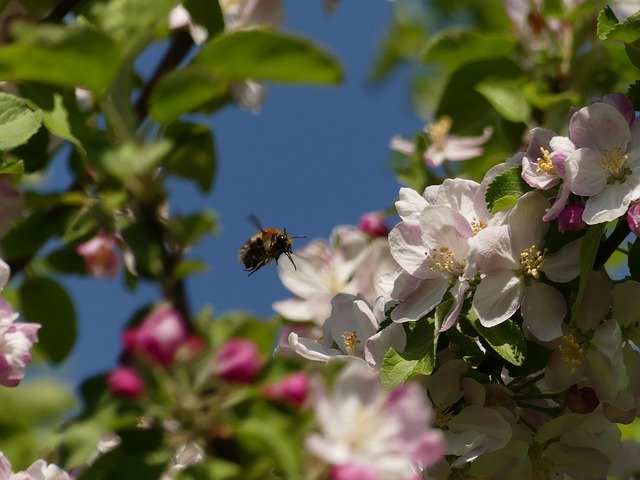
[[613, 162], [545, 164], [439, 130], [532, 260], [351, 342], [444, 260], [571, 351], [442, 417], [477, 225]]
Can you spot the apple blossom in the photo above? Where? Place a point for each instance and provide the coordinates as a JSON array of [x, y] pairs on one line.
[[512, 259], [350, 263], [16, 340], [444, 146], [371, 433], [351, 331], [238, 360], [100, 255], [38, 470], [606, 164]]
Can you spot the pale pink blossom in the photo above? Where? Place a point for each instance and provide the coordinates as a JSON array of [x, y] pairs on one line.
[[16, 340], [606, 165], [100, 255], [444, 146], [512, 259], [38, 470], [350, 263], [351, 331], [372, 431]]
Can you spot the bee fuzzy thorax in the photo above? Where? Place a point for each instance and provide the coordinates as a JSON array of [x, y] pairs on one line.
[[264, 246]]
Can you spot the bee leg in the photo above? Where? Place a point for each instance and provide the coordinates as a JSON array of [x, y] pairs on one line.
[[291, 258]]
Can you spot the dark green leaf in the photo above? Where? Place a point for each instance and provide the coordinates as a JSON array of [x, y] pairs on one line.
[[72, 55], [146, 251], [506, 339], [34, 154], [588, 250], [214, 468], [633, 52], [503, 192], [634, 260], [44, 301], [18, 122], [131, 159], [206, 13], [183, 91], [66, 260], [507, 97], [269, 56], [454, 48], [634, 94], [194, 154]]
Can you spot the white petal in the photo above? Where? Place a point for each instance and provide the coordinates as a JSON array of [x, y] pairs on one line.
[[424, 299], [563, 265], [497, 297], [310, 349], [543, 310], [408, 249]]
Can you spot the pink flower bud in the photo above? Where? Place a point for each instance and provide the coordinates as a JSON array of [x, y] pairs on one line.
[[159, 336], [352, 471], [581, 400], [633, 218], [100, 255], [125, 382], [238, 360], [292, 389], [190, 348], [373, 224], [570, 218]]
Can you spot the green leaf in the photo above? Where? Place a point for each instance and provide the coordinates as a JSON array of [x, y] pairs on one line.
[[133, 23], [505, 338], [183, 91], [34, 154], [214, 468], [507, 97], [134, 159], [66, 260], [147, 252], [633, 52], [18, 122], [71, 55], [588, 250], [11, 167], [634, 260], [60, 111], [455, 47], [609, 28], [418, 357], [206, 13], [44, 301], [269, 56], [187, 230], [402, 42], [503, 192], [194, 154]]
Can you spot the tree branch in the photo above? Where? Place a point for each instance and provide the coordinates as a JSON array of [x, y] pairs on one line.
[[606, 248]]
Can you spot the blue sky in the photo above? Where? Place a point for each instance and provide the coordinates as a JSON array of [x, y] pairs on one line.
[[312, 159]]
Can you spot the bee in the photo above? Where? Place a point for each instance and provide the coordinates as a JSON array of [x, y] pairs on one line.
[[264, 246]]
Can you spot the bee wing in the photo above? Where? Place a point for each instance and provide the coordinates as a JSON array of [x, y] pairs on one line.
[[253, 218]]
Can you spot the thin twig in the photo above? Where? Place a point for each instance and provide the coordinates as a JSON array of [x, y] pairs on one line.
[[606, 248]]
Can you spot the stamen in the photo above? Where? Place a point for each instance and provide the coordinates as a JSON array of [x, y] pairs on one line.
[[542, 467], [444, 260], [544, 163], [442, 417], [571, 351], [532, 260], [351, 342], [477, 225], [613, 162], [439, 130]]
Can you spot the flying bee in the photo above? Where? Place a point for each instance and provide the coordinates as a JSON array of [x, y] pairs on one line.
[[264, 246]]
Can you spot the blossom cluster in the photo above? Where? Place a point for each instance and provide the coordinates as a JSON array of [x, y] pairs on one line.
[[532, 355]]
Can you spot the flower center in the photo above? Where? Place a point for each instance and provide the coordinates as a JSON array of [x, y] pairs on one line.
[[477, 225], [571, 351], [542, 467], [442, 417], [439, 130], [613, 162], [544, 163], [444, 260], [531, 261], [351, 342]]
